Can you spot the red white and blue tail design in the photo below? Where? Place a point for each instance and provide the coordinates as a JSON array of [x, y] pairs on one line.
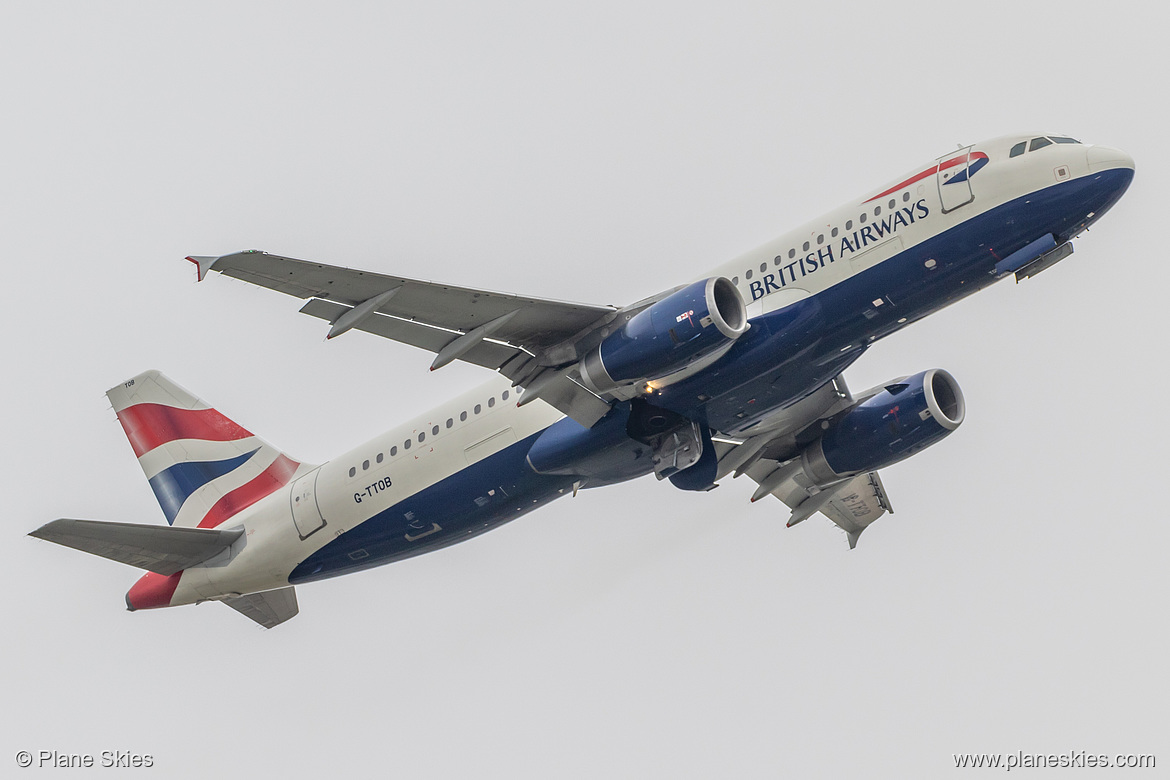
[[202, 467]]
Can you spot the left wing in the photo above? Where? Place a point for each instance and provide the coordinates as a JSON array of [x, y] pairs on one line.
[[523, 338]]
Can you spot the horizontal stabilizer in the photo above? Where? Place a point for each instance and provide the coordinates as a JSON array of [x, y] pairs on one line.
[[270, 608], [157, 548]]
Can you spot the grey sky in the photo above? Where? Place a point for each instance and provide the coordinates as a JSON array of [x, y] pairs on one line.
[[1015, 601]]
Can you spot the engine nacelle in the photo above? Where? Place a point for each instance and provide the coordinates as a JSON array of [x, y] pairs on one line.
[[906, 417], [603, 454], [689, 328]]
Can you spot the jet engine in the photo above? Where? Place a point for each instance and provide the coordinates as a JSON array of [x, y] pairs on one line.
[[907, 416], [601, 455], [686, 330]]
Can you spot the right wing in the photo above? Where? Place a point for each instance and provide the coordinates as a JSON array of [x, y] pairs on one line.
[[772, 460], [523, 338], [852, 504]]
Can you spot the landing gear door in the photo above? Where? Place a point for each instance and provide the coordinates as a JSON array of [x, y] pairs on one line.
[[305, 510], [954, 183]]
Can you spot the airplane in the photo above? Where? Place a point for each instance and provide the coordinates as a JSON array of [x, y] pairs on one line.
[[738, 372]]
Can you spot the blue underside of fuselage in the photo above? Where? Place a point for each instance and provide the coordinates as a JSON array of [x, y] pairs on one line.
[[786, 355], [473, 501]]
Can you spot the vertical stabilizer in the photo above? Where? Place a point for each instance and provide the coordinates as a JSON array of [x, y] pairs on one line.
[[202, 467]]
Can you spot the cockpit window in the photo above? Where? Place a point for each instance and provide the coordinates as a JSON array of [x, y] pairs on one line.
[[1060, 139], [1039, 143], [1018, 149]]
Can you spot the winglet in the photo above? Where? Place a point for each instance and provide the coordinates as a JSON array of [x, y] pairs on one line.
[[202, 265]]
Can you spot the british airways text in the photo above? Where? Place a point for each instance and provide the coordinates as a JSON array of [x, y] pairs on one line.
[[858, 240]]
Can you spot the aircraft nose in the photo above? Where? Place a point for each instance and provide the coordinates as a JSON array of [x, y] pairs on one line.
[[1104, 158]]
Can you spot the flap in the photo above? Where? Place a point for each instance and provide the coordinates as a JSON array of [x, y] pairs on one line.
[[489, 354]]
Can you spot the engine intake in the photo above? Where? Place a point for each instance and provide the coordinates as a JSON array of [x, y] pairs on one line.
[[906, 417], [687, 329]]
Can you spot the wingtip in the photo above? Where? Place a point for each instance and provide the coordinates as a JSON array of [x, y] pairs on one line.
[[203, 264]]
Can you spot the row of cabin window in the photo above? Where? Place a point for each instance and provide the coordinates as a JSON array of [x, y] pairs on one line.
[[877, 212], [406, 445]]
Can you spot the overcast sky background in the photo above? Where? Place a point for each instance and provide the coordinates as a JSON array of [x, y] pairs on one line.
[[1015, 601]]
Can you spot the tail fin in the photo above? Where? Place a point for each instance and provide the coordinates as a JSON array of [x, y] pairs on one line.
[[202, 467]]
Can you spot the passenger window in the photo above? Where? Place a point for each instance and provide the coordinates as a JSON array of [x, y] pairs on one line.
[[862, 218], [848, 224], [835, 232], [393, 451], [892, 204], [365, 465], [905, 197], [463, 417], [435, 431], [791, 253], [734, 280], [406, 444], [820, 239], [877, 211], [478, 408], [505, 395], [1039, 143], [1060, 139], [806, 246], [353, 471], [1018, 149], [491, 401], [450, 422], [380, 457], [422, 437], [747, 275]]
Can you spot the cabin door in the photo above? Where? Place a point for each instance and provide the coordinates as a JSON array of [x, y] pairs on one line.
[[954, 183], [305, 510]]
